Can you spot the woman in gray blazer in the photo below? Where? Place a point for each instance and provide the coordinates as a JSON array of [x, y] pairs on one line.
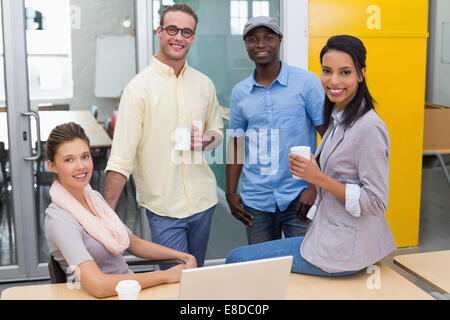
[[348, 230]]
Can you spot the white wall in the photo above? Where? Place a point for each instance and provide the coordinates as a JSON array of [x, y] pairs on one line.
[[98, 17], [294, 23], [438, 73]]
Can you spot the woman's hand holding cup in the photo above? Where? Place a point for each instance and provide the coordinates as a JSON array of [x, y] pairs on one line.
[[304, 168]]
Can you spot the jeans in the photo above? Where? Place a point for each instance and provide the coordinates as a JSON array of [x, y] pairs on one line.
[[189, 234], [281, 248], [268, 226]]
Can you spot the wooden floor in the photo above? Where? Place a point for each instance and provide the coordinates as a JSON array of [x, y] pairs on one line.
[[227, 233]]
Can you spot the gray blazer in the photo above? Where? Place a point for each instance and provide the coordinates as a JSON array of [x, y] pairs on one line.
[[338, 241]]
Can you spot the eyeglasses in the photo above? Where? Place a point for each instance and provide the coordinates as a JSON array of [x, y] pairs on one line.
[[173, 31]]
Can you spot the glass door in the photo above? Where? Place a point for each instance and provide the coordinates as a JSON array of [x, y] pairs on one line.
[[65, 60], [16, 192], [8, 250], [81, 55]]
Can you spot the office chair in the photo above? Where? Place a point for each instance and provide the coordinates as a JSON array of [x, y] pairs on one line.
[[113, 123], [110, 125], [4, 183], [100, 155], [94, 111], [44, 177], [57, 274], [3, 160], [107, 125], [4, 177], [100, 158]]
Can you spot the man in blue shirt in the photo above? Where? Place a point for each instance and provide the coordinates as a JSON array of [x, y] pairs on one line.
[[274, 109]]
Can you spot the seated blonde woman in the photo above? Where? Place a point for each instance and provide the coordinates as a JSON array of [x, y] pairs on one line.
[[85, 236]]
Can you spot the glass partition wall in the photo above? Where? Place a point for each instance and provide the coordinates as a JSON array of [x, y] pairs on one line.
[[7, 231], [219, 52], [81, 55], [67, 59]]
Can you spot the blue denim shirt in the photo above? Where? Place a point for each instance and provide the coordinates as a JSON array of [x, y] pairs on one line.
[[274, 119]]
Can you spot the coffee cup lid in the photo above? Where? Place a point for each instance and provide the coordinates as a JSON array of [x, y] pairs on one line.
[[128, 285]]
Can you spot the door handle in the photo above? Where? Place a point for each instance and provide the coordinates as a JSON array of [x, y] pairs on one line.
[[36, 156]]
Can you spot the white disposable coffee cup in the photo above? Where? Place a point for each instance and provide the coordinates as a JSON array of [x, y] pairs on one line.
[[182, 138], [304, 151], [128, 289]]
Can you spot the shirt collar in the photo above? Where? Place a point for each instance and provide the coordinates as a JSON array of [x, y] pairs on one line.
[[166, 70], [337, 115], [282, 77]]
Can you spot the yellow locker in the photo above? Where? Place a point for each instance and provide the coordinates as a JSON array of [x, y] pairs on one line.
[[395, 35]]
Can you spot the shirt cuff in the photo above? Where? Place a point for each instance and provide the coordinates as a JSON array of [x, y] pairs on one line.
[[352, 194], [118, 168], [312, 212]]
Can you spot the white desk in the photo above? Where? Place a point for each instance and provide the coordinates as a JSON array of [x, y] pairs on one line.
[[50, 119]]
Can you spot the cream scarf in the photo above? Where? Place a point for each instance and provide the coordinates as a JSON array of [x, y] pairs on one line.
[[106, 226]]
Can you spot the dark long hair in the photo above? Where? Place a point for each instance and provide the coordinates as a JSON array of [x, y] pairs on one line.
[[353, 111]]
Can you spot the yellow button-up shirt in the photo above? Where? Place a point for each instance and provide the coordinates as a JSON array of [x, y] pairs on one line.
[[169, 183]]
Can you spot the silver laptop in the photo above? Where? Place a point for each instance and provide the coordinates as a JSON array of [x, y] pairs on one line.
[[253, 280]]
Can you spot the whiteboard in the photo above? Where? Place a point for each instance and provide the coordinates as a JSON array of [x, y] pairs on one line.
[[115, 64]]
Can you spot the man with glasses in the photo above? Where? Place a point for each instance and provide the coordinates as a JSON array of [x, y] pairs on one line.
[[277, 107], [164, 103]]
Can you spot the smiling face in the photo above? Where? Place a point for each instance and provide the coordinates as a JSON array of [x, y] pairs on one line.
[[339, 77], [72, 165], [263, 46], [175, 48]]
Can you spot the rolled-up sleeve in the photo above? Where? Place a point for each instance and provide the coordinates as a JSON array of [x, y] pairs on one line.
[[127, 132], [312, 212], [214, 119], [352, 195], [372, 161]]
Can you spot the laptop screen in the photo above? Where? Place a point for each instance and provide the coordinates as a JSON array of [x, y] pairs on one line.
[[259, 279]]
